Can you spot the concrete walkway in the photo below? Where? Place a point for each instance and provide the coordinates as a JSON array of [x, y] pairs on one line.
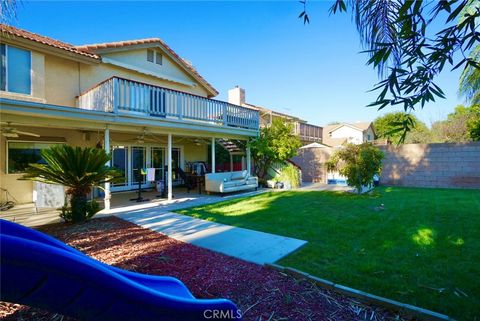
[[245, 244]]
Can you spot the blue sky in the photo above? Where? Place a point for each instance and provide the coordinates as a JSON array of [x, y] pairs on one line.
[[315, 71]]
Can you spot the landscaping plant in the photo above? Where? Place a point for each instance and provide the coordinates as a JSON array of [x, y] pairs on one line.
[[79, 170], [290, 175], [358, 163], [276, 143]]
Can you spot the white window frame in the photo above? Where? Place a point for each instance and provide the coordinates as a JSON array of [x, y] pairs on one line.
[[7, 156], [156, 53], [6, 71]]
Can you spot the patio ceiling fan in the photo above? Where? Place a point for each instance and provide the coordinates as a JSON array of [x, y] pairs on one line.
[[146, 137], [12, 132]]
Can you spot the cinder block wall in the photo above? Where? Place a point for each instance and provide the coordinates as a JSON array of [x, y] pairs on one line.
[[432, 165]]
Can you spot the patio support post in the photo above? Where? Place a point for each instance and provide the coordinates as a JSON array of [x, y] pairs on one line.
[[169, 167], [249, 161], [106, 146], [231, 163], [213, 154]]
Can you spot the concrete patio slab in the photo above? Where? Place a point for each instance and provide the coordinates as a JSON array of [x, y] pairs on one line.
[[245, 244]]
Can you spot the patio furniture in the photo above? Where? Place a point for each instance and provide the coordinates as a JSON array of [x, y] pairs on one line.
[[42, 272], [228, 182]]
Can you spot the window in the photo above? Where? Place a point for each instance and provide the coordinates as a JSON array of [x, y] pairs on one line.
[[158, 58], [150, 55], [20, 154], [154, 56], [15, 70]]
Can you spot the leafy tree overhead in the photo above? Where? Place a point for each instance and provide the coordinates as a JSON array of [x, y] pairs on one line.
[[78, 169], [358, 163], [386, 126], [404, 46], [276, 143]]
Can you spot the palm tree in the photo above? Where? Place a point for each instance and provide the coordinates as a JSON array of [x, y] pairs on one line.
[[470, 79], [78, 169]]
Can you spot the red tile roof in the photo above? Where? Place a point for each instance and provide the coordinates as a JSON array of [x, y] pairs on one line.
[[118, 44], [12, 31]]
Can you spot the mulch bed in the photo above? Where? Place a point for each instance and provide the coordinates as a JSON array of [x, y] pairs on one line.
[[261, 293]]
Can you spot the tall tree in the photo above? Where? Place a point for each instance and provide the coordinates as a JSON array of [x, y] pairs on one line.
[[387, 126], [397, 35], [460, 126]]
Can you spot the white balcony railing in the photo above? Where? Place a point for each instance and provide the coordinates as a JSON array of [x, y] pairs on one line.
[[118, 95]]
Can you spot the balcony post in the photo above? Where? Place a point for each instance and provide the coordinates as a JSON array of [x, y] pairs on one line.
[[115, 95], [231, 163], [249, 161], [179, 106], [106, 146], [169, 167], [225, 118], [213, 154]]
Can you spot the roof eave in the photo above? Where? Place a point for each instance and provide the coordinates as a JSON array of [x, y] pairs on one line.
[[45, 48]]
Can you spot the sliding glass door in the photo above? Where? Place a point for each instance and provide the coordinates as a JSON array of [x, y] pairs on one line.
[[130, 160]]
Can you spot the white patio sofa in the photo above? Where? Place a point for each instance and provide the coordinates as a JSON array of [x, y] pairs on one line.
[[227, 182]]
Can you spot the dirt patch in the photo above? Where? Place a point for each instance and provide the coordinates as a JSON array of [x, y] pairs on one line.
[[261, 293]]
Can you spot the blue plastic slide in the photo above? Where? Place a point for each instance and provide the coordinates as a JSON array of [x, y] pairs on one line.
[[40, 271]]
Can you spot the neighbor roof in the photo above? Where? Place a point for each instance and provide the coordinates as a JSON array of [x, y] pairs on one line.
[[360, 126], [13, 31], [182, 62], [333, 142]]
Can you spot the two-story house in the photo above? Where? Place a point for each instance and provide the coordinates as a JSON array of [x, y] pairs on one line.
[[307, 133], [356, 133], [137, 99]]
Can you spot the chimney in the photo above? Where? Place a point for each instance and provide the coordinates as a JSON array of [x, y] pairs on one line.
[[236, 96]]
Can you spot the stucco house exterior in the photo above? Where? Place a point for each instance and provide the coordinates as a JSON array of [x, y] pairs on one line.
[[356, 133], [137, 99], [308, 133]]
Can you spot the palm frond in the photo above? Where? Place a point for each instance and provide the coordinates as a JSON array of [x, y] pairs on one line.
[[377, 24], [469, 86], [74, 167]]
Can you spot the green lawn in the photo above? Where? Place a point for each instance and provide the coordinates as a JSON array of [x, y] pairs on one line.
[[422, 247]]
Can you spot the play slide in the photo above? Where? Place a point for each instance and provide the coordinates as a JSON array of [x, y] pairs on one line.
[[40, 271]]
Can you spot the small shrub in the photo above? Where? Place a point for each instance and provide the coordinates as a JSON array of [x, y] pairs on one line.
[[91, 208], [358, 163], [290, 175]]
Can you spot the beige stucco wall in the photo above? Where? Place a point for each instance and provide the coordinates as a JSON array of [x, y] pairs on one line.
[[62, 83]]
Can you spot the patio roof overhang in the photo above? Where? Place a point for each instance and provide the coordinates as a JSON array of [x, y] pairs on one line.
[[46, 115]]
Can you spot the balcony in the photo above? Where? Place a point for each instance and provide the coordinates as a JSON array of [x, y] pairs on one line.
[[308, 132], [122, 96]]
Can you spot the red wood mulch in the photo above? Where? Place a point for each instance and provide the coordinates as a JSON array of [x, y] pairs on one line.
[[261, 293]]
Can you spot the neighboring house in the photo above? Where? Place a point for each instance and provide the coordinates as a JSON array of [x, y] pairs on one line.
[[138, 99], [356, 133], [308, 133]]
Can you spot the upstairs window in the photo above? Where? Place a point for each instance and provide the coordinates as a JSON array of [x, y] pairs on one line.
[[150, 55], [154, 56], [16, 65]]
